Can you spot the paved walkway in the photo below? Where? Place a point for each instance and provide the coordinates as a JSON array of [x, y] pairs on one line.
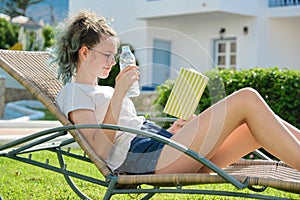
[[14, 129]]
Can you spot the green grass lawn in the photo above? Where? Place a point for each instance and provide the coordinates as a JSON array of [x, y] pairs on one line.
[[20, 181], [48, 114]]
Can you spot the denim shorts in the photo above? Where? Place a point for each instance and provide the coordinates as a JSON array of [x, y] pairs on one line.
[[144, 152]]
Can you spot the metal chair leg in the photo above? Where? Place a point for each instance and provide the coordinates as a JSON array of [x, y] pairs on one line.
[[69, 180]]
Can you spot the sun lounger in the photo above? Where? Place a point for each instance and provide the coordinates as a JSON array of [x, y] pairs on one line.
[[37, 75]]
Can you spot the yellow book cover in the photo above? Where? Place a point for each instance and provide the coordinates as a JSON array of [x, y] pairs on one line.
[[186, 93]]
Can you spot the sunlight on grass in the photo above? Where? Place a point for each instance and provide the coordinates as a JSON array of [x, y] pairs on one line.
[[20, 181]]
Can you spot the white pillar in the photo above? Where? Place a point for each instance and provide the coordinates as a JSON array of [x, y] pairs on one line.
[[2, 95]]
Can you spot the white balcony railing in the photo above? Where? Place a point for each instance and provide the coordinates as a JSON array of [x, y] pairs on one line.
[[276, 3]]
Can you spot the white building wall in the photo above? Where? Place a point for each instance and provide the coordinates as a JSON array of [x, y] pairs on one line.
[[280, 43], [192, 38], [153, 9], [192, 27], [247, 44]]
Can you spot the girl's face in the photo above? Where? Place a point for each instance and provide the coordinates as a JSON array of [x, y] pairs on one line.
[[102, 57]]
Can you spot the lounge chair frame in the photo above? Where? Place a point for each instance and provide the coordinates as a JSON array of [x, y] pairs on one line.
[[23, 66]]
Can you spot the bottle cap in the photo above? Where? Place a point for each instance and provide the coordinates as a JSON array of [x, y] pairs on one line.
[[125, 48]]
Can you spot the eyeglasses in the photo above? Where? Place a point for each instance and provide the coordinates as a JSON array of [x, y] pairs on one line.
[[109, 57]]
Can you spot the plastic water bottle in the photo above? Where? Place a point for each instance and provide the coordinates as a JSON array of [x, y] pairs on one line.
[[127, 58]]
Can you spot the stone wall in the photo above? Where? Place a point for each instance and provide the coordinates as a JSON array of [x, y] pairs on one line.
[[13, 94]]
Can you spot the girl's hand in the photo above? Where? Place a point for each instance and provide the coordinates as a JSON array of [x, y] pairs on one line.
[[178, 124], [126, 78]]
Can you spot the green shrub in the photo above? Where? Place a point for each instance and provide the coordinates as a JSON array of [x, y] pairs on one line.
[[8, 36], [48, 34], [279, 87], [115, 70]]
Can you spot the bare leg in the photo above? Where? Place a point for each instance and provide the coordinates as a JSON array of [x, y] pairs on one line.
[[293, 129], [238, 144], [211, 128]]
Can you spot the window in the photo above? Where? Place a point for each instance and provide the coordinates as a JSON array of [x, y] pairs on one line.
[[225, 53]]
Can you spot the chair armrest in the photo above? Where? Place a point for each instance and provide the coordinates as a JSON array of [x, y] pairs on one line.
[[169, 142], [62, 130]]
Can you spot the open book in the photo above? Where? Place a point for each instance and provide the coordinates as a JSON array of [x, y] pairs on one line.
[[186, 93]]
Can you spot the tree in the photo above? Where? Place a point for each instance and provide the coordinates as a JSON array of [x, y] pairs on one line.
[[18, 7]]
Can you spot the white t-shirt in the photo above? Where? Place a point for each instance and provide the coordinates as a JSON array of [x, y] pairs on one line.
[[76, 96]]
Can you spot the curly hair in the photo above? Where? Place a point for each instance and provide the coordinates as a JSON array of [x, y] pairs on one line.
[[84, 29]]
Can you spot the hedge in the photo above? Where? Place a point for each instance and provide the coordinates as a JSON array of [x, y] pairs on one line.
[[279, 87]]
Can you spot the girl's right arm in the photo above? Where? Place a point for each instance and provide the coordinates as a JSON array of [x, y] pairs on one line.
[[100, 139]]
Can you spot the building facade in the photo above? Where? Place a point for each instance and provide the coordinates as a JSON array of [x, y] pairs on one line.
[[203, 34]]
